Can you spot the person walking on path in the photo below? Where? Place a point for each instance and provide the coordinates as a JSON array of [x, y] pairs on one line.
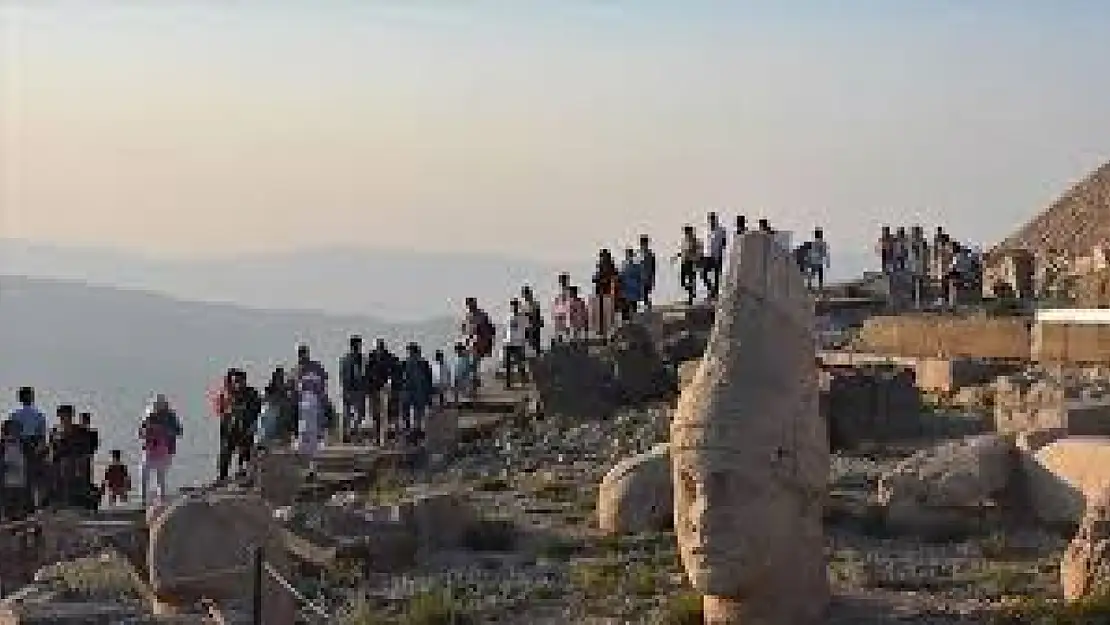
[[159, 431], [534, 313], [817, 260], [32, 433], [689, 257], [417, 392], [478, 334], [354, 379], [631, 285], [513, 346], [714, 261], [646, 259]]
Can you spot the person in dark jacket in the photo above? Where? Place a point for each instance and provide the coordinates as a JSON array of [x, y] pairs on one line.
[[239, 412], [417, 390], [380, 366], [280, 392], [354, 381]]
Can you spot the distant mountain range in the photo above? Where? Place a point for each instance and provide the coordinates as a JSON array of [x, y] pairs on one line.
[[395, 285], [385, 284], [107, 350]]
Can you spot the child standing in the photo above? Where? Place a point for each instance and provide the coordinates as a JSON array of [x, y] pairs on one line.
[[464, 370], [441, 377], [117, 482]]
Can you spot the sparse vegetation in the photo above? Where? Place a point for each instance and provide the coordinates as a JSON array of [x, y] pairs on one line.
[[436, 608], [681, 608]]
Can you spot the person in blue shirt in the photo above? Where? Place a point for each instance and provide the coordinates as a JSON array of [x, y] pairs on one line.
[[631, 284], [32, 432]]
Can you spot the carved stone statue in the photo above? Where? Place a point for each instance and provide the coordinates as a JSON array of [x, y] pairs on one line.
[[749, 452]]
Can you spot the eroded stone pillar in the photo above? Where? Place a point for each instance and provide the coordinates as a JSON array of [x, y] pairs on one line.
[[749, 452]]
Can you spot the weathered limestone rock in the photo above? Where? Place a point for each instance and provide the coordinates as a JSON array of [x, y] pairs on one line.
[[640, 373], [1085, 568], [279, 476], [948, 487], [749, 451], [202, 547], [572, 382], [637, 494], [1062, 476]]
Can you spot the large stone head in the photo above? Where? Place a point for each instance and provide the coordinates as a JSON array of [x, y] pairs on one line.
[[746, 434]]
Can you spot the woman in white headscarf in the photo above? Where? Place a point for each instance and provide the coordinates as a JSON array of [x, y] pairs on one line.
[[311, 415]]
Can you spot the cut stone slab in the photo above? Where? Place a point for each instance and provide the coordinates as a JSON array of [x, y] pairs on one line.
[[203, 547], [636, 495], [1062, 476], [946, 488]]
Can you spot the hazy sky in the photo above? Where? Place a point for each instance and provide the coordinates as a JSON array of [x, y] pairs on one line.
[[537, 128]]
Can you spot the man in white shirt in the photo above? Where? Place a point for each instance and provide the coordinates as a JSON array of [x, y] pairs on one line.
[[712, 264], [515, 341]]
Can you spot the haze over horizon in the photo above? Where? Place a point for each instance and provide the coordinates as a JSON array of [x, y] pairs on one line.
[[540, 132]]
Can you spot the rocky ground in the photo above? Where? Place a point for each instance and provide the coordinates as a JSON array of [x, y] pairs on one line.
[[539, 559]]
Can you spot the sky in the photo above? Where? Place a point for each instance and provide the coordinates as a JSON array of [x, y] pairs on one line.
[[537, 129]]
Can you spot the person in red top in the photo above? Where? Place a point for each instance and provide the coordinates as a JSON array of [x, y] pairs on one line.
[[117, 482]]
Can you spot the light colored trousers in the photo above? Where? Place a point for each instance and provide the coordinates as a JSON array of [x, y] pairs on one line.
[[161, 471]]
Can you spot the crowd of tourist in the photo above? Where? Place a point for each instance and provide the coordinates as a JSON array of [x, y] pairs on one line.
[[939, 270], [385, 397]]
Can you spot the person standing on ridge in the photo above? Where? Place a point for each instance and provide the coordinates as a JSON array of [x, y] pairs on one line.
[[646, 259], [478, 333], [741, 225], [416, 394], [32, 433], [689, 257], [354, 379], [441, 377], [534, 313], [714, 261], [381, 367], [159, 431], [560, 310], [606, 281], [514, 343], [239, 407], [818, 260], [885, 247], [631, 285]]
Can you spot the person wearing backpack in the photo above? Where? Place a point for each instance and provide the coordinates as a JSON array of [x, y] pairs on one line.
[[479, 333]]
